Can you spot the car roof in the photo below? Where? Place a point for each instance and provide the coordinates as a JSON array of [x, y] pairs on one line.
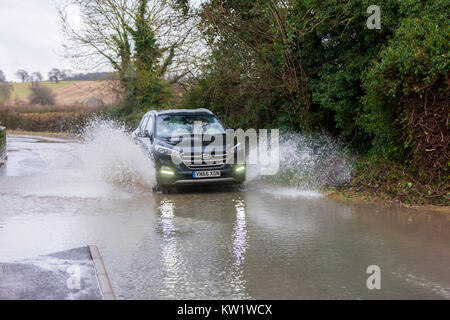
[[180, 111]]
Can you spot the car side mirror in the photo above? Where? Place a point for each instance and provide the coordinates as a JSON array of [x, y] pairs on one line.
[[145, 134]]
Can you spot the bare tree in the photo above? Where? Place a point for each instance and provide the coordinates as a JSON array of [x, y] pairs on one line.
[[5, 88], [105, 36], [22, 75], [55, 75], [5, 92], [251, 37], [36, 76], [41, 95]]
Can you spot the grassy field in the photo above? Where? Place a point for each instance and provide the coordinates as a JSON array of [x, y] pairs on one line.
[[69, 92], [22, 90]]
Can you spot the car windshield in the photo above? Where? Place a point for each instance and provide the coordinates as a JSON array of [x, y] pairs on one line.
[[169, 125]]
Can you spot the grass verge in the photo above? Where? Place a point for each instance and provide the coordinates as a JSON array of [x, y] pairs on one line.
[[379, 179]]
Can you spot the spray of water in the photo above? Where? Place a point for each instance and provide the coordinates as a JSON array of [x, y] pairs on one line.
[[104, 163], [307, 163], [107, 163], [109, 154]]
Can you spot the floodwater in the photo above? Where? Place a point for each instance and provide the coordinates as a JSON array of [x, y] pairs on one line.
[[259, 242]]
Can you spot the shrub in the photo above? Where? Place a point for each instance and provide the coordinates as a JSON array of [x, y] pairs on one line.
[[60, 119], [41, 95], [5, 92], [407, 98]]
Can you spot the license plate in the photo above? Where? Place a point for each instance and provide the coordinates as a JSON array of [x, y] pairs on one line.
[[206, 174]]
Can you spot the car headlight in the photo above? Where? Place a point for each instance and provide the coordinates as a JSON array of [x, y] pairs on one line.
[[166, 151], [240, 168], [166, 171]]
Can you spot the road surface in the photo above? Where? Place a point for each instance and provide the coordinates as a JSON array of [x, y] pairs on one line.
[[259, 242]]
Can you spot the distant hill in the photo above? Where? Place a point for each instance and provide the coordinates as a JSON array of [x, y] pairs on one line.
[[80, 91], [71, 92], [21, 90]]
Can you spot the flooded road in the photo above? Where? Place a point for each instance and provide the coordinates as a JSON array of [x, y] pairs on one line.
[[260, 242]]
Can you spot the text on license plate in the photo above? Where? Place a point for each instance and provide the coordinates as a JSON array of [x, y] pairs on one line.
[[206, 174]]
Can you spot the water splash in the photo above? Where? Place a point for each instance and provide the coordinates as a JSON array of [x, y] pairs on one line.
[[102, 163], [307, 163], [109, 154], [106, 163]]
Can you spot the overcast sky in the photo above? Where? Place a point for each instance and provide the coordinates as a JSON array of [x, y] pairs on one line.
[[30, 37]]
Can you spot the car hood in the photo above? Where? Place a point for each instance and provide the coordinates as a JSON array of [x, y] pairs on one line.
[[198, 143]]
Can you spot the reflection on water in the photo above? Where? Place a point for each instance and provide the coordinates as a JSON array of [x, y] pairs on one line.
[[202, 255], [171, 258], [239, 246], [169, 255], [257, 243]]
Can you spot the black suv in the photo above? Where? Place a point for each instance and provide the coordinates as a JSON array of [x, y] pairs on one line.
[[192, 163]]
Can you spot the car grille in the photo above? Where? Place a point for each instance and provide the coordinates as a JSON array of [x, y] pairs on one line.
[[203, 161]]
